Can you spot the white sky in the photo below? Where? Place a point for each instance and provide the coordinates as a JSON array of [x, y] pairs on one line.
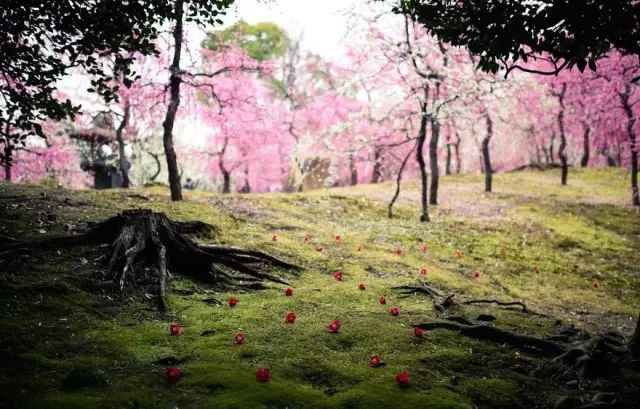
[[322, 23]]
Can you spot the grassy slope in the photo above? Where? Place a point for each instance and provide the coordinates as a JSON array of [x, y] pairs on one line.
[[64, 344]]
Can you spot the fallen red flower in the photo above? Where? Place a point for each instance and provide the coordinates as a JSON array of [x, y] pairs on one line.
[[536, 270], [403, 380], [395, 311], [360, 247], [320, 249], [476, 275], [458, 254], [418, 332], [383, 300], [361, 286], [596, 285], [424, 271], [398, 252], [306, 238], [334, 326], [175, 329], [263, 375], [288, 291], [338, 238], [337, 275], [239, 338], [233, 301], [424, 248], [274, 237], [173, 374], [290, 318], [375, 361]]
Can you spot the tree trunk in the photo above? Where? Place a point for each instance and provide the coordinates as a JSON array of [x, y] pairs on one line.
[[634, 344], [488, 170], [563, 137], [456, 148], [433, 160], [7, 164], [353, 171], [553, 138], [174, 86], [586, 152], [447, 166], [226, 178], [631, 132], [398, 180], [124, 168], [424, 176], [376, 177]]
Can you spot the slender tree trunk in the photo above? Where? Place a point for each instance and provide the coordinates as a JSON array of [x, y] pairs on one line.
[[488, 170], [562, 154], [586, 144], [553, 138], [447, 166], [456, 149], [433, 160], [634, 344], [7, 164], [124, 168], [353, 171], [398, 180], [226, 177], [631, 132], [174, 86], [376, 176], [538, 157], [424, 176]]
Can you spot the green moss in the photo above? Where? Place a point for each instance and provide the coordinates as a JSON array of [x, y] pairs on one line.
[[60, 328]]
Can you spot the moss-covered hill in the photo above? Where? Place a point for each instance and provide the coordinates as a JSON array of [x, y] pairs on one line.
[[64, 343]]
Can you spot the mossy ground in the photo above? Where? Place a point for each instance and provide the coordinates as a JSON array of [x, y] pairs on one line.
[[65, 344]]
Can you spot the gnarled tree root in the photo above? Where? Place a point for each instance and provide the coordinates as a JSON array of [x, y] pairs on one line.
[[442, 301], [596, 356], [143, 241]]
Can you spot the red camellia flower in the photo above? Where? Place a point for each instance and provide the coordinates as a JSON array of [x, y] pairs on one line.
[[337, 275], [375, 361], [423, 271], [239, 338], [288, 291], [395, 311], [263, 375], [290, 318], [596, 285], [476, 275], [173, 374], [334, 326], [536, 270], [398, 252], [233, 301], [458, 254], [403, 379], [175, 329], [424, 248], [361, 286], [306, 238], [383, 300], [320, 249], [338, 238], [418, 332], [274, 237]]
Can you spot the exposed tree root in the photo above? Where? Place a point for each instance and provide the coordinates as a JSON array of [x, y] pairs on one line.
[[532, 345], [443, 301], [148, 245]]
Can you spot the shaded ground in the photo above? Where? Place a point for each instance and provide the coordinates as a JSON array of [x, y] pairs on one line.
[[65, 343]]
